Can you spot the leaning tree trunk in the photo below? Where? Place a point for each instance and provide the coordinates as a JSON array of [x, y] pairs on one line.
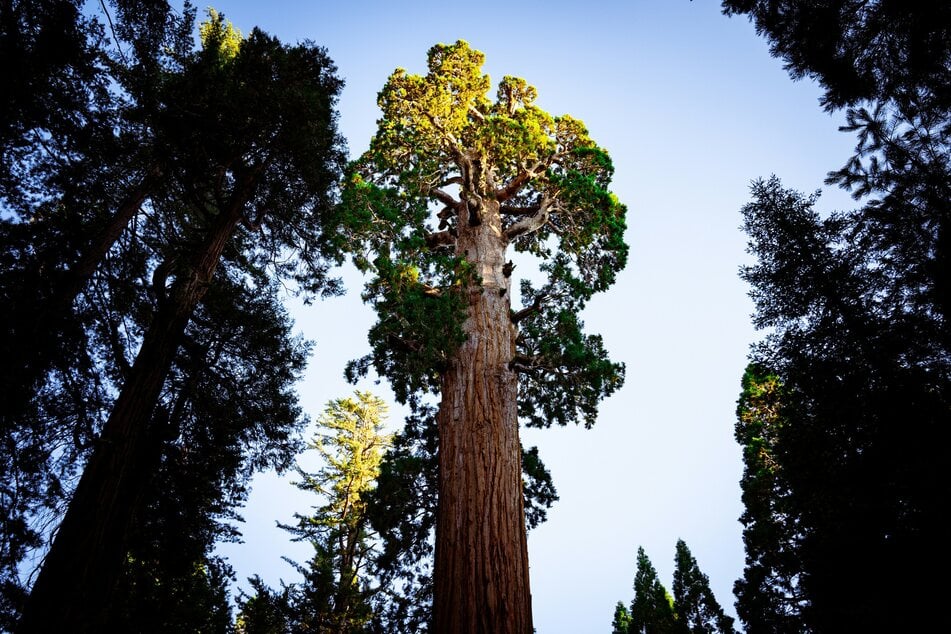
[[74, 586], [481, 581]]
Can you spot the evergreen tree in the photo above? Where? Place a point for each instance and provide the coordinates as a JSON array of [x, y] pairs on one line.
[[622, 619], [857, 358], [768, 597], [698, 611], [496, 174], [252, 163], [858, 307], [859, 50], [338, 588], [652, 610]]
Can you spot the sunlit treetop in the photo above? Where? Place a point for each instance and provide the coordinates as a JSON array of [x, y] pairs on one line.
[[218, 33], [441, 140]]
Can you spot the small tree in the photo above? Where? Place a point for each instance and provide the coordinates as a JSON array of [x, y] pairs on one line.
[[336, 594], [622, 619], [652, 610], [697, 609]]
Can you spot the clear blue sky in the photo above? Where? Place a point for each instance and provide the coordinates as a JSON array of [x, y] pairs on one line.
[[692, 108]]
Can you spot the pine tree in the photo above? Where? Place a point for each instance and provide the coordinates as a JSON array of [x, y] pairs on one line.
[[698, 611], [244, 184], [497, 174], [339, 588], [652, 610], [622, 619]]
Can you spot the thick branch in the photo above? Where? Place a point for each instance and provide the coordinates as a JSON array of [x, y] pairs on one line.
[[524, 362], [475, 113], [444, 198], [531, 223], [522, 179], [440, 239], [509, 210], [529, 310]]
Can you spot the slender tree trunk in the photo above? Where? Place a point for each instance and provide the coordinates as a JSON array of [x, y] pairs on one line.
[[24, 364], [481, 579], [73, 588]]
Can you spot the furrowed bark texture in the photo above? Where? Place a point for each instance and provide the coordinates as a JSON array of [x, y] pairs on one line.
[[481, 568], [73, 589]]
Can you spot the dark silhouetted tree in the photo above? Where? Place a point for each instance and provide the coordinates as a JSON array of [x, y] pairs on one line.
[[253, 161], [858, 355], [698, 611], [859, 50], [652, 610], [858, 306]]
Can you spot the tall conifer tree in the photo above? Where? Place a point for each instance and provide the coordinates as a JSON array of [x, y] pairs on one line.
[[452, 180]]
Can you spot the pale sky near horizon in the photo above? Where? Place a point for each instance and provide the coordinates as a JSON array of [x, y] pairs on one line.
[[692, 108]]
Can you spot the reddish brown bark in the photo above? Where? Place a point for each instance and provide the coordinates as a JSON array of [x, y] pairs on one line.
[[73, 588], [481, 569]]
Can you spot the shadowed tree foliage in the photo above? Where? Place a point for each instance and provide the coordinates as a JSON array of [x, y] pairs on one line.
[[226, 420], [652, 610], [844, 494], [249, 155], [450, 181], [853, 496], [859, 50], [768, 597], [698, 611]]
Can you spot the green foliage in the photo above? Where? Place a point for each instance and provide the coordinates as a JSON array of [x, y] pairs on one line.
[[652, 610], [768, 597], [547, 176], [622, 619], [693, 608], [697, 609], [218, 34], [564, 372], [336, 594]]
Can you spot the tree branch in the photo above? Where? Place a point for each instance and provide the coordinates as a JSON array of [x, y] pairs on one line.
[[444, 198], [509, 210], [531, 223], [440, 239], [475, 113], [514, 185], [531, 309]]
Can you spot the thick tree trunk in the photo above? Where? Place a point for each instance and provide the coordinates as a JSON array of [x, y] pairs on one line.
[[73, 588], [481, 568]]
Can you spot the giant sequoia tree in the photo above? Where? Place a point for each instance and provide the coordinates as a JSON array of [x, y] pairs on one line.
[[452, 179]]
